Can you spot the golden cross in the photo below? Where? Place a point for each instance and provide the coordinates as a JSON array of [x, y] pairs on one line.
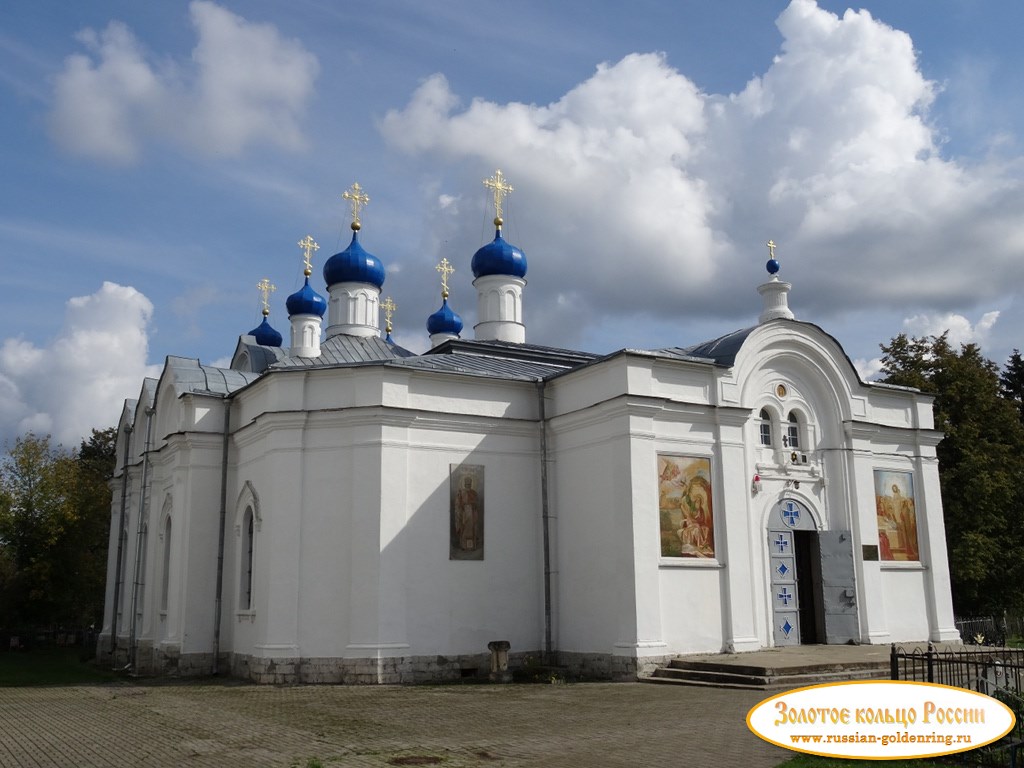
[[389, 308], [446, 269], [358, 198], [308, 245], [771, 249], [501, 188], [265, 287]]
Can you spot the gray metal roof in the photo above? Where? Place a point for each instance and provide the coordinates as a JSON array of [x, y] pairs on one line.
[[188, 375], [482, 365], [257, 358], [343, 349], [720, 351], [515, 351]]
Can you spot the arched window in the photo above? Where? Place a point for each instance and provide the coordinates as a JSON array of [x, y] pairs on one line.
[[793, 432], [166, 584], [245, 581], [766, 428]]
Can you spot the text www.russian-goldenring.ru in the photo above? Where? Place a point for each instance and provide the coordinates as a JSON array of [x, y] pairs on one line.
[[884, 740]]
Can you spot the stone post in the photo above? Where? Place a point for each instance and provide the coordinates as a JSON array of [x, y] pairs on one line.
[[499, 661]]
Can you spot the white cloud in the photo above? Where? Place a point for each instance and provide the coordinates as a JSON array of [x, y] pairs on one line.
[[960, 330], [646, 192], [244, 85], [81, 379], [868, 369]]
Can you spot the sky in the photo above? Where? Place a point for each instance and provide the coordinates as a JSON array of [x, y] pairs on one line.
[[157, 160]]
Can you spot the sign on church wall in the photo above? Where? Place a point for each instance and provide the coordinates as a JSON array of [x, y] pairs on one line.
[[897, 515], [466, 512], [685, 506]]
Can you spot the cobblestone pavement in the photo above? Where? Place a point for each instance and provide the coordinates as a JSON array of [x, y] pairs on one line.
[[229, 724]]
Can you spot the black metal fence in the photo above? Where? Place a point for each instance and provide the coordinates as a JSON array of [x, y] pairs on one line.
[[996, 672], [990, 630]]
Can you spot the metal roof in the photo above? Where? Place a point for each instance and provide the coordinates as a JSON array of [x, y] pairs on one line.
[[188, 375], [720, 351], [342, 349], [482, 365]]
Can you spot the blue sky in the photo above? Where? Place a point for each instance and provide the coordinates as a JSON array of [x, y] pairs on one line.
[[159, 159]]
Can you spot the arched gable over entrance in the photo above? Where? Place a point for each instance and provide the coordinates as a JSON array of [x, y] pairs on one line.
[[800, 376]]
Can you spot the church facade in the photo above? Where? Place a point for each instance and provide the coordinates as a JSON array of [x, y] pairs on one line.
[[343, 510]]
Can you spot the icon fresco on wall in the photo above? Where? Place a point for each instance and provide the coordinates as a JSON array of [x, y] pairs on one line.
[[466, 512], [685, 506], [897, 515]]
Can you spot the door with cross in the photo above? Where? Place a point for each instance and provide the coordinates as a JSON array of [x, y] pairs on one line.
[[787, 518]]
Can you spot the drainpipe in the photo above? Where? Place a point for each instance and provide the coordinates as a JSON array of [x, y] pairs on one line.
[[138, 544], [220, 533], [545, 517], [114, 623]]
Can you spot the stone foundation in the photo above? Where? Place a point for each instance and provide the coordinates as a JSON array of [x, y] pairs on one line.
[[606, 666], [394, 670], [155, 659], [166, 660]]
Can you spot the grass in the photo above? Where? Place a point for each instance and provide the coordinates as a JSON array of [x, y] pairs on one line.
[[50, 666]]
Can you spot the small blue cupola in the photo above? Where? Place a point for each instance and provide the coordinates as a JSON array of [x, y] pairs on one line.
[[265, 335], [499, 257], [354, 278], [306, 308], [499, 272], [354, 265], [306, 301], [775, 292], [445, 323]]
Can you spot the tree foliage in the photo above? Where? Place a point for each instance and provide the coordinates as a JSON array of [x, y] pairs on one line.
[[54, 526], [981, 466], [1012, 382]]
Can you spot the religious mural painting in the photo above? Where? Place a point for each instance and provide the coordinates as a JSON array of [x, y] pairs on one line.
[[897, 515], [685, 506], [466, 512]]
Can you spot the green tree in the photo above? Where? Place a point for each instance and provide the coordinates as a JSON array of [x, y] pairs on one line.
[[54, 518], [1011, 380], [87, 550], [981, 463]]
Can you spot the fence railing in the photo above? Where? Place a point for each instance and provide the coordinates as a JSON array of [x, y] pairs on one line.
[[990, 630], [978, 669], [997, 672]]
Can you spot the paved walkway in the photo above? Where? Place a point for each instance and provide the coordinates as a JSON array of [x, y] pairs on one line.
[[228, 724]]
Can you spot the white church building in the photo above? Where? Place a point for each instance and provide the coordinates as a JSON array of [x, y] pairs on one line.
[[339, 509]]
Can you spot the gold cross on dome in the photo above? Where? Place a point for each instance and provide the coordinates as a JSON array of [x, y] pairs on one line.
[[500, 188], [265, 287], [389, 308], [446, 269], [358, 198], [771, 249], [308, 245]]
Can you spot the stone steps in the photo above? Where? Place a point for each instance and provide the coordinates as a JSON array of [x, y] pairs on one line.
[[683, 671]]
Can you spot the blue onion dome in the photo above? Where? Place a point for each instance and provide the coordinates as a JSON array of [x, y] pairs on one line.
[[306, 301], [444, 321], [265, 335], [772, 266], [354, 265], [499, 258]]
